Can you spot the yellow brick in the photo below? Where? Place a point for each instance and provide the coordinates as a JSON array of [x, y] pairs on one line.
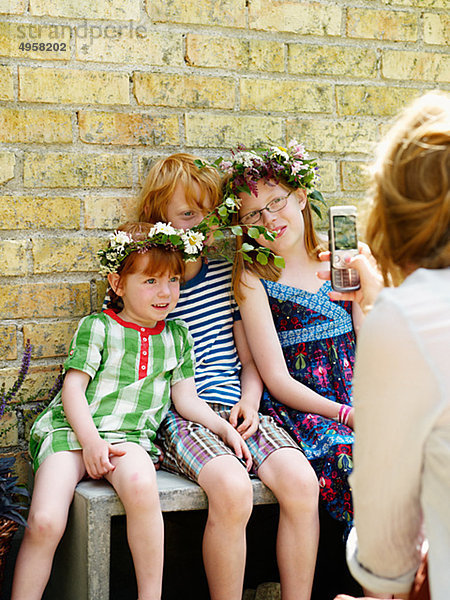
[[418, 3], [8, 342], [72, 86], [13, 257], [321, 135], [327, 176], [128, 129], [8, 430], [269, 94], [421, 66], [38, 380], [194, 91], [48, 42], [298, 17], [332, 60], [101, 287], [7, 163], [26, 212], [382, 25], [234, 53], [50, 339], [35, 126], [141, 48], [6, 83], [371, 100], [125, 10], [353, 176], [436, 29], [44, 300], [224, 131], [226, 13], [60, 255], [109, 213], [55, 169], [13, 7], [266, 56]]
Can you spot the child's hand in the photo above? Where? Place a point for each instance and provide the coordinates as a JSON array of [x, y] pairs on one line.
[[96, 458], [249, 418], [234, 440]]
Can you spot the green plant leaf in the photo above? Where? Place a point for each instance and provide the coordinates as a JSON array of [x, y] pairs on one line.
[[278, 261], [236, 230], [246, 247], [218, 234], [253, 232], [262, 258]]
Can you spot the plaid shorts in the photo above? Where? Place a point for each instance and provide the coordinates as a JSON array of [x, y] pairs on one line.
[[188, 446]]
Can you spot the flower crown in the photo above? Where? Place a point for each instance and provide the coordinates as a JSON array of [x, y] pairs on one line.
[[290, 165], [121, 244]]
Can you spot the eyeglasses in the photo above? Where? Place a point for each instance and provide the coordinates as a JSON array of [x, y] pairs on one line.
[[273, 206]]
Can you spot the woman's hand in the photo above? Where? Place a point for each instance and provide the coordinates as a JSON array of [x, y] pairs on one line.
[[248, 417], [96, 457], [370, 277]]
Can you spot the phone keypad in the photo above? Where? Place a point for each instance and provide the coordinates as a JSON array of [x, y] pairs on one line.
[[345, 278]]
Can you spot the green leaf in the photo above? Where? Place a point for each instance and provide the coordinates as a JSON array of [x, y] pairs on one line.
[[236, 230], [278, 261], [316, 209], [253, 232], [262, 258], [316, 195], [199, 163], [222, 210], [247, 257], [246, 247], [218, 234]]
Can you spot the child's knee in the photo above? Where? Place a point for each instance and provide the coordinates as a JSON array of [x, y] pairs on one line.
[[45, 526], [231, 494], [140, 489]]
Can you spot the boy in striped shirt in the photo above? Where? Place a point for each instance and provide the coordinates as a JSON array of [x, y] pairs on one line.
[[176, 190]]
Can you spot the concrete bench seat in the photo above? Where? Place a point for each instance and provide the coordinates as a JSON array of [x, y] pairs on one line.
[[82, 563]]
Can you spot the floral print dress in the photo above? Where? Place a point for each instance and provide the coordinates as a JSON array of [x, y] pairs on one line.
[[318, 342]]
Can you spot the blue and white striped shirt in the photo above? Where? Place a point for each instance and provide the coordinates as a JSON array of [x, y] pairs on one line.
[[208, 307]]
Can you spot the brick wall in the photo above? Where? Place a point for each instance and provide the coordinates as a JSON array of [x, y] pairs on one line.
[[110, 85]]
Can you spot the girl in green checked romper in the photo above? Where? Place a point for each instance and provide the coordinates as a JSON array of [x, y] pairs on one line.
[[122, 369]]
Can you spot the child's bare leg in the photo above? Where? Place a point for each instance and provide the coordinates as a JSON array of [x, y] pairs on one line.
[[54, 485], [134, 480], [230, 503], [292, 480]]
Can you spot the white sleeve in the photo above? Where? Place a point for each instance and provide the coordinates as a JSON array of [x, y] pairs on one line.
[[393, 395]]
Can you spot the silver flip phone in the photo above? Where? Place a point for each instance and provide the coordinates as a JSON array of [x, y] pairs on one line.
[[343, 243]]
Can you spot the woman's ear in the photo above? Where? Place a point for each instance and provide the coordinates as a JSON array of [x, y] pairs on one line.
[[301, 197], [114, 282]]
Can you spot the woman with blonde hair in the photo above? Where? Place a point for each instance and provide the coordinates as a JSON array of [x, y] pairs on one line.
[[401, 481]]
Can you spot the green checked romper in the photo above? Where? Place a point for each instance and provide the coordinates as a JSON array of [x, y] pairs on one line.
[[131, 370]]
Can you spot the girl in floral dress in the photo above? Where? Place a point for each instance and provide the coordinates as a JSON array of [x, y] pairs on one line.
[[302, 342]]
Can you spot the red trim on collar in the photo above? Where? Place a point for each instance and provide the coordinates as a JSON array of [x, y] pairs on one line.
[[147, 330]]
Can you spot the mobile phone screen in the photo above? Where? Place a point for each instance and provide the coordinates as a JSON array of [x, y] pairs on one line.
[[345, 237]]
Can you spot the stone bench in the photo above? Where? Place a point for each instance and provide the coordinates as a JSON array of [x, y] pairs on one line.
[[82, 563]]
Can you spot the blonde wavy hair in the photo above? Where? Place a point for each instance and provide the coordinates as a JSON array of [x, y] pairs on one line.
[[409, 220]]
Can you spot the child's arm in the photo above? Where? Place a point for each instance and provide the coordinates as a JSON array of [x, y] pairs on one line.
[[251, 387], [267, 352], [96, 451], [190, 406]]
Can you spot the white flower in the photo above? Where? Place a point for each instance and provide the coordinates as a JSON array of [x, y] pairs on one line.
[[279, 152], [119, 238], [226, 166], [247, 158], [231, 202], [296, 166], [165, 228], [193, 241]]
